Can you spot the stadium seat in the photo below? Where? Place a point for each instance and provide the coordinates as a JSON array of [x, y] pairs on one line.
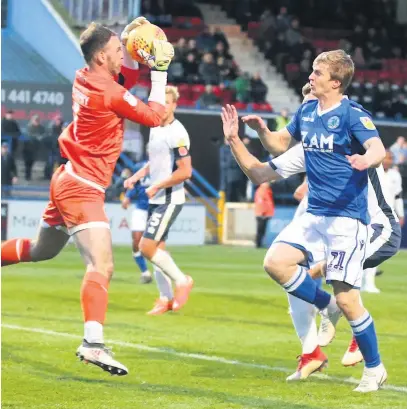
[[241, 105], [197, 90], [185, 91]]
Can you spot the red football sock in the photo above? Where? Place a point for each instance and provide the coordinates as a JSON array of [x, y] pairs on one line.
[[94, 297], [15, 251]]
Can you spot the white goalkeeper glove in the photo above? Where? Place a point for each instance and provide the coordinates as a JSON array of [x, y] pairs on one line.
[[161, 56], [135, 23]]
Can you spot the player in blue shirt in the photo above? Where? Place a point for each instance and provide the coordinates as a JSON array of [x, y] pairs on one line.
[[138, 197], [340, 143]]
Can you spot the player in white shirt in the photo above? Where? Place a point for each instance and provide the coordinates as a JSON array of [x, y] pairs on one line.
[[169, 166], [395, 200]]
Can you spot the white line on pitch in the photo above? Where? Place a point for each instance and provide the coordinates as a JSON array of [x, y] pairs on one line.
[[197, 356]]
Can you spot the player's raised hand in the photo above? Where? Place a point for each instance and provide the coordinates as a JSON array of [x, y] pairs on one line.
[[254, 122], [358, 162], [161, 56], [135, 23], [230, 122]]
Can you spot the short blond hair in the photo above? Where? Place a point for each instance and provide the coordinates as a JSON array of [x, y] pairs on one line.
[[306, 89], [172, 90], [340, 64]]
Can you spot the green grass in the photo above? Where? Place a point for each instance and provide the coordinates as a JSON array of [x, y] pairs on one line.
[[235, 312]]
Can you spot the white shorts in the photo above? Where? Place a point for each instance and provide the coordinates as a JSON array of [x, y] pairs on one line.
[[340, 241], [139, 220]]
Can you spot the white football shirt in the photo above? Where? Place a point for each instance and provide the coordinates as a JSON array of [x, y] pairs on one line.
[[162, 143]]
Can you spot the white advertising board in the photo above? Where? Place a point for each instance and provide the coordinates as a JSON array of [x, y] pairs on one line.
[[23, 217]]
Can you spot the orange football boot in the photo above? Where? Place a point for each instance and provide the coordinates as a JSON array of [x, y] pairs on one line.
[[161, 306], [182, 293]]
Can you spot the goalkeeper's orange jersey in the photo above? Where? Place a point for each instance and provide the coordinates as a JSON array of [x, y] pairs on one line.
[[93, 141]]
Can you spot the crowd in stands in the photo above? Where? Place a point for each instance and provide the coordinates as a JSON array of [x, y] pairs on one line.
[[37, 142], [206, 60], [202, 59], [367, 30]]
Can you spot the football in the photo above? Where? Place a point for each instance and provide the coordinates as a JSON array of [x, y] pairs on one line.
[[141, 38]]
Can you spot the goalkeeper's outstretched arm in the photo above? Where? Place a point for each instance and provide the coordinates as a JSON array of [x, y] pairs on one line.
[[258, 172]]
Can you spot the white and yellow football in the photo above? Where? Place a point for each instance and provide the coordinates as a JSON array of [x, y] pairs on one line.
[[141, 38]]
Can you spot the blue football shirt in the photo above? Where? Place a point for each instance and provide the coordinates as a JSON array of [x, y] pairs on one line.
[[335, 188], [138, 195]]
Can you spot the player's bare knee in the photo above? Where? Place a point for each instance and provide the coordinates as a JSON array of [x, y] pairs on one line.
[[147, 248], [105, 268], [273, 265]]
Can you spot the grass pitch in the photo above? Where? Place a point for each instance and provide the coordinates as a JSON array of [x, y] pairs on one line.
[[232, 346]]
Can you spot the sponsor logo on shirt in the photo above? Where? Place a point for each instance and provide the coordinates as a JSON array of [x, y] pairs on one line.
[[130, 99], [367, 122], [320, 143]]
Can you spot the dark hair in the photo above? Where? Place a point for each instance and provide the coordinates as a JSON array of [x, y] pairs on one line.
[[94, 39]]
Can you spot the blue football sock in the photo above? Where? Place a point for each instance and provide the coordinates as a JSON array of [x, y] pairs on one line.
[[140, 261], [365, 334], [303, 286]]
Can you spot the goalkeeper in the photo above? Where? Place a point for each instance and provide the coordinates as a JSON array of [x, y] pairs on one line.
[[92, 144]]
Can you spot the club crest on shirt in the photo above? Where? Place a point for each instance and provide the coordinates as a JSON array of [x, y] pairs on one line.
[[333, 122], [367, 122]]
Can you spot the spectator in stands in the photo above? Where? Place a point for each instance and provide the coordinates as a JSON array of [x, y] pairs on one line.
[[180, 49], [208, 99], [8, 170], [191, 69], [372, 50], [242, 87], [218, 36], [293, 35], [231, 176], [264, 210], [220, 51], [398, 151], [399, 107], [282, 120], [208, 70], [258, 89], [205, 41], [358, 37], [358, 58], [9, 127], [51, 145], [267, 27], [35, 135], [226, 69], [193, 49], [283, 20], [176, 71]]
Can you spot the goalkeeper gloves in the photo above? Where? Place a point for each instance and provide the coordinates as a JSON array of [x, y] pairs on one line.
[[162, 54], [135, 23]]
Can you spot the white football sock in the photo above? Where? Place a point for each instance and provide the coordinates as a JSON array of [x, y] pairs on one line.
[[93, 332], [163, 260], [303, 316], [369, 277], [164, 284]]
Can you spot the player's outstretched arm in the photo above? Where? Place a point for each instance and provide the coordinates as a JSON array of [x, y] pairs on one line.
[[275, 143], [255, 170], [140, 174], [181, 174], [375, 153]]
